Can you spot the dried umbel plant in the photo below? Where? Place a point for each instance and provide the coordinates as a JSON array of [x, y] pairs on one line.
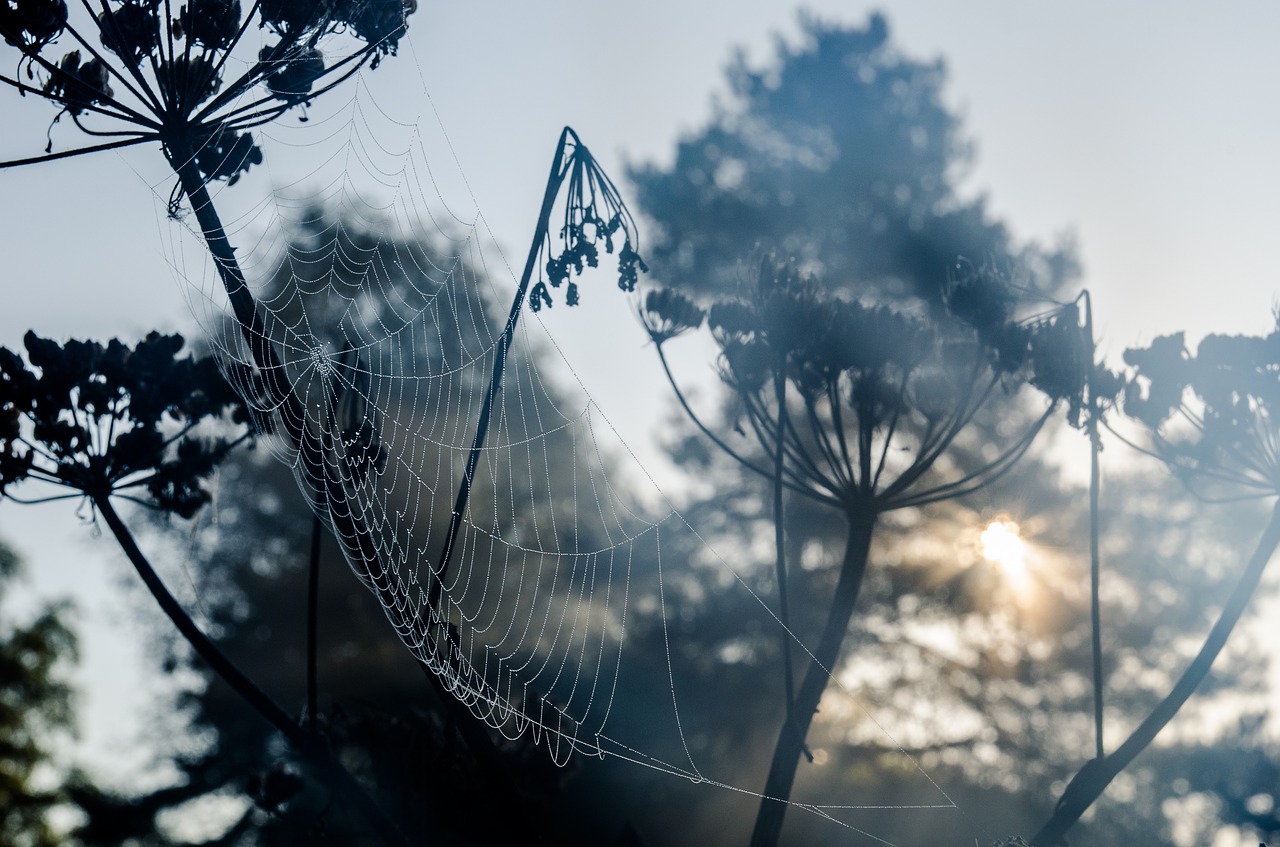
[[136, 71], [854, 405], [1212, 415], [1212, 418], [103, 419], [186, 76]]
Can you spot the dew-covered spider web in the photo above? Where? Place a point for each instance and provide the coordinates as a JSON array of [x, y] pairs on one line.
[[543, 602]]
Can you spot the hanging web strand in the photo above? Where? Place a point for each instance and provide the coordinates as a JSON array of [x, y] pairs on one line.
[[494, 514]]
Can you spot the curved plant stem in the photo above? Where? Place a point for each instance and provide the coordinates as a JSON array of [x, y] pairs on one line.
[[181, 155], [338, 779], [348, 527], [1096, 775], [554, 181], [791, 739], [330, 497]]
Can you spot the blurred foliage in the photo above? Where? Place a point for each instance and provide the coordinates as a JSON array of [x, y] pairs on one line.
[[36, 704]]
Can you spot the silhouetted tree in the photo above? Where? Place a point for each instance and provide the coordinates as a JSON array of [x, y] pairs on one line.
[[841, 155]]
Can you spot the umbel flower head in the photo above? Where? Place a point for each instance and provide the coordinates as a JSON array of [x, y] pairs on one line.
[[1052, 350], [100, 419], [594, 214], [860, 398], [181, 73], [1213, 414]]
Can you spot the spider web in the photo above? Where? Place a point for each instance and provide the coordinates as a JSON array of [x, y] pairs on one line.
[[384, 296]]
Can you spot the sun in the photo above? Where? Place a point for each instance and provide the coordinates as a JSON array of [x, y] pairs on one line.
[[1002, 545]]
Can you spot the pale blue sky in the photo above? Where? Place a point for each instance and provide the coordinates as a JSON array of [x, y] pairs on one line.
[[1149, 129]]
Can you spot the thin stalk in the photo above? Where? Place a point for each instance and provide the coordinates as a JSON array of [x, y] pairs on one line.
[[66, 154], [779, 538], [837, 421], [313, 608], [804, 471], [974, 480], [339, 780], [866, 417], [1095, 559], [144, 92], [723, 445], [791, 739], [554, 181], [890, 430], [248, 113], [1087, 785], [828, 452], [216, 67], [1095, 580], [953, 425]]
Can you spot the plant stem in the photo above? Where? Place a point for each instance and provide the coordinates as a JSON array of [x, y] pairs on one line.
[[554, 181], [313, 608], [1095, 578], [348, 527], [1096, 775], [355, 538], [338, 779], [80, 151], [1095, 558], [779, 536], [791, 739], [181, 155]]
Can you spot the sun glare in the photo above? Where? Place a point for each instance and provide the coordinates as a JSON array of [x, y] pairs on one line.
[[1003, 546]]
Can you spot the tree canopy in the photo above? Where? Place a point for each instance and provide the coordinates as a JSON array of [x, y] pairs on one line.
[[842, 154]]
